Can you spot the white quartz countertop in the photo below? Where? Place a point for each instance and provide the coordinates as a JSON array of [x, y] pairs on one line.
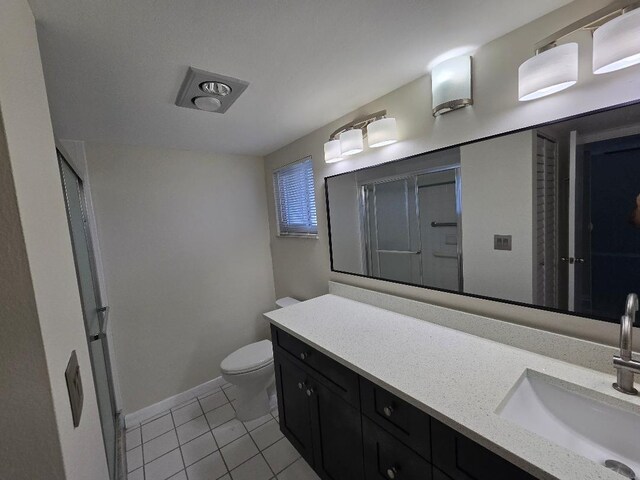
[[457, 378]]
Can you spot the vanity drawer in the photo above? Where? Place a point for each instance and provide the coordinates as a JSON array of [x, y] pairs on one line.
[[463, 459], [408, 424], [337, 377], [386, 458]]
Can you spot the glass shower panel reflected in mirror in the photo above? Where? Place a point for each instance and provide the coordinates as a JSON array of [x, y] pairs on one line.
[[410, 229], [392, 237]]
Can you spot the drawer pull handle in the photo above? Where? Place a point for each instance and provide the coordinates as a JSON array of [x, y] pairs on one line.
[[388, 411], [392, 473], [309, 391], [301, 385], [304, 356]]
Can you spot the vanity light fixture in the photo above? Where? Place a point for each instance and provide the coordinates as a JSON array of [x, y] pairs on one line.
[[332, 151], [382, 132], [616, 45], [351, 142], [349, 139], [550, 71], [451, 85]]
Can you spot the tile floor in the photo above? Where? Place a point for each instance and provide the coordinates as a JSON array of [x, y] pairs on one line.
[[202, 440]]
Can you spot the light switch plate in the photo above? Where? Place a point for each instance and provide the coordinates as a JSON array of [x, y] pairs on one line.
[[502, 242], [74, 386]]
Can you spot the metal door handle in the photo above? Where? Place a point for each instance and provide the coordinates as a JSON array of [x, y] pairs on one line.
[[104, 313], [392, 473], [388, 411]]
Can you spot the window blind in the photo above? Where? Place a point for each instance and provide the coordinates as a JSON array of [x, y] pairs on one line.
[[295, 199]]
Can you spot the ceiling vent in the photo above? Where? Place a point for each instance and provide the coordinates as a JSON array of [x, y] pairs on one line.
[[209, 91]]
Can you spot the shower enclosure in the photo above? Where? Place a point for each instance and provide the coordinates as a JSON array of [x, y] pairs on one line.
[[411, 228]]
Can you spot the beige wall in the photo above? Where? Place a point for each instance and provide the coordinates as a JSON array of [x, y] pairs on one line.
[[185, 244], [301, 268], [497, 198], [41, 317]]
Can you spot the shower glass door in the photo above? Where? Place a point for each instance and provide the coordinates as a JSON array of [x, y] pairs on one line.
[[411, 228], [393, 230], [95, 315]]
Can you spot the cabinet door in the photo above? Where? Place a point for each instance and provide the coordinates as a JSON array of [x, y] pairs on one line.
[[402, 420], [294, 406], [386, 458], [463, 459], [337, 435]]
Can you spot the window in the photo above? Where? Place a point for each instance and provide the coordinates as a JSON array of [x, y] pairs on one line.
[[295, 199]]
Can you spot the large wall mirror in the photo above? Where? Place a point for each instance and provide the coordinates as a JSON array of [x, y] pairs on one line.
[[546, 217]]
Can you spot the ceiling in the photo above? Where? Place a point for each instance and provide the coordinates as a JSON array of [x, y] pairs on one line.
[[113, 68]]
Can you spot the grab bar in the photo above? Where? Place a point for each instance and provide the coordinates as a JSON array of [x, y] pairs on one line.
[[444, 224], [409, 252]]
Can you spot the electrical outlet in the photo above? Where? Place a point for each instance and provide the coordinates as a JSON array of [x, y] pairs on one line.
[[74, 386], [502, 242]]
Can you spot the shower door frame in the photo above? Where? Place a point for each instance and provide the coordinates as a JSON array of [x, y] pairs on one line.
[[62, 157], [365, 220]]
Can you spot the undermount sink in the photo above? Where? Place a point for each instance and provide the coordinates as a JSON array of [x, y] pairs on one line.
[[586, 422]]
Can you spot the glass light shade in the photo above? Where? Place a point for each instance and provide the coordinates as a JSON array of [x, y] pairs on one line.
[[548, 72], [616, 44], [351, 142], [332, 152], [382, 132], [451, 84], [208, 104]]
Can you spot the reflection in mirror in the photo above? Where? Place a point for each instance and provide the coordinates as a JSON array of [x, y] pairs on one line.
[[548, 217]]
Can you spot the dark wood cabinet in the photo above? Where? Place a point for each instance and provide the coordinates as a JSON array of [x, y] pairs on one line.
[[317, 418], [402, 420], [348, 428], [462, 459], [294, 407], [337, 435], [386, 458]]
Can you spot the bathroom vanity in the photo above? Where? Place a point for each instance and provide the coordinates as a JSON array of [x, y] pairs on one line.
[[347, 427], [367, 393]]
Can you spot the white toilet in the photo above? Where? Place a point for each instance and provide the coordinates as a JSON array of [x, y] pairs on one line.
[[250, 369]]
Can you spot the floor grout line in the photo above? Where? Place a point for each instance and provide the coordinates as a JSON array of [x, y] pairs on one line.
[[215, 441], [144, 470], [261, 454], [175, 431]]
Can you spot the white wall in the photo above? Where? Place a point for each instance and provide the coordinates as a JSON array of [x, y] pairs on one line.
[[42, 319], [497, 198], [301, 268], [185, 244]]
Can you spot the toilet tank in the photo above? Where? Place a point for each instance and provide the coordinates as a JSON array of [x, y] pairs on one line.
[[286, 302]]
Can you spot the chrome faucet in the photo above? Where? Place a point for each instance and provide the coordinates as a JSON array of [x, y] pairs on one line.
[[624, 363]]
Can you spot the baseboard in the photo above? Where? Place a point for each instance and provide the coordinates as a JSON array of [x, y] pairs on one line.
[[140, 416]]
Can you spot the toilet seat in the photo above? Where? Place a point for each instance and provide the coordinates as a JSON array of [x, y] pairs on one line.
[[249, 358]]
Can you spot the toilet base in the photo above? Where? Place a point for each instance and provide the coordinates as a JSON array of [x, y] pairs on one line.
[[254, 403]]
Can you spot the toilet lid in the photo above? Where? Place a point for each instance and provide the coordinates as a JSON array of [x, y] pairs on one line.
[[248, 358]]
